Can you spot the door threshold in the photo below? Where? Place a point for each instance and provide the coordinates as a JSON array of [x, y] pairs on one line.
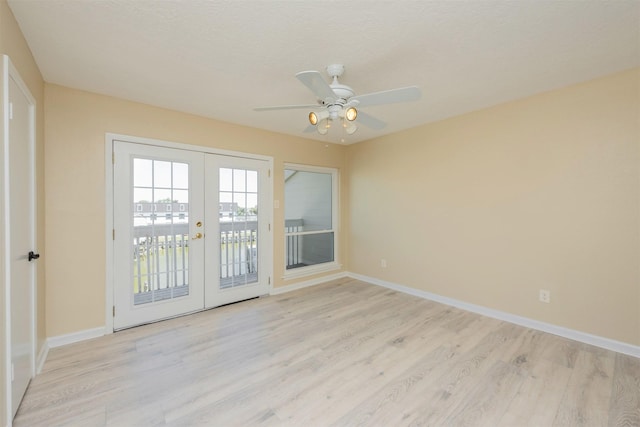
[[182, 315]]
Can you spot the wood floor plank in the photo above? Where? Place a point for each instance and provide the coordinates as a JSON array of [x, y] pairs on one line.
[[341, 353], [397, 391], [537, 400], [588, 394], [485, 403], [446, 392], [359, 377], [625, 396]]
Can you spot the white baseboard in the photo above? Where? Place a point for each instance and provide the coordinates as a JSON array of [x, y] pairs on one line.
[[87, 334], [73, 337], [606, 343], [572, 334], [307, 283], [42, 356]]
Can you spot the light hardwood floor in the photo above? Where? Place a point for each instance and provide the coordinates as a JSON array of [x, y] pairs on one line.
[[343, 353]]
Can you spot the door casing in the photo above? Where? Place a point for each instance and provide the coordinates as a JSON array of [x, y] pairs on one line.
[[267, 193]]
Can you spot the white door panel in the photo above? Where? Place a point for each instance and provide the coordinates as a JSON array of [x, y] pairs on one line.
[[20, 234], [159, 229], [237, 195]]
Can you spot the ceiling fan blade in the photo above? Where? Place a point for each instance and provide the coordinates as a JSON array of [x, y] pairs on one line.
[[314, 81], [370, 121], [309, 129], [404, 94], [286, 107]]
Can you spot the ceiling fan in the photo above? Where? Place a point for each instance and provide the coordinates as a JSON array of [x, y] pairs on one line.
[[338, 102]]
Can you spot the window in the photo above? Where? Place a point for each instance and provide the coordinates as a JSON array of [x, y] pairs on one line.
[[311, 211]]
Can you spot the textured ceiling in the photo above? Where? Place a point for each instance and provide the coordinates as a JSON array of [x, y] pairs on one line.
[[220, 59]]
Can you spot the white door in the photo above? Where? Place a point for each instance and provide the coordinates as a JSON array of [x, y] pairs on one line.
[[20, 233], [237, 196], [172, 229], [159, 233]]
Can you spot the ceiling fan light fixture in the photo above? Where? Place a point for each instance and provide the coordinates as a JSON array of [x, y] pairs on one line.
[[351, 114], [351, 129], [323, 126], [313, 118]]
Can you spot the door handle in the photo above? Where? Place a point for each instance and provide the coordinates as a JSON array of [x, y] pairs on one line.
[[197, 236], [33, 256]]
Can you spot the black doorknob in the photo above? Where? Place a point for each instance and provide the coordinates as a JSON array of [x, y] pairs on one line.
[[33, 256]]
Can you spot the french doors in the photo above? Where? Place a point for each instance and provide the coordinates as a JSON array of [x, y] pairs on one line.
[[188, 231]]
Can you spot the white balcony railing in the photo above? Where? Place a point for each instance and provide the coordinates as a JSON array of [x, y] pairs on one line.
[[292, 245], [161, 257]]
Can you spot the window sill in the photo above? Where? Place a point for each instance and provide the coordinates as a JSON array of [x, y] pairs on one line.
[[311, 270]]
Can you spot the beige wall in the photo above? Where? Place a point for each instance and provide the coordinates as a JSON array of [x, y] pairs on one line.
[[76, 123], [486, 208], [13, 44], [491, 206]]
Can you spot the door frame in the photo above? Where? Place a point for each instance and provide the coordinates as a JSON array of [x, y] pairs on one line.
[[10, 72], [109, 214]]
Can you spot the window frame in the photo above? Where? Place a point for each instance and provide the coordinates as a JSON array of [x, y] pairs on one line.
[[335, 223]]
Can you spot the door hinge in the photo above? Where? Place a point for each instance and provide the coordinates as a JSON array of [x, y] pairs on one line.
[[11, 111], [269, 173], [113, 158], [113, 234], [269, 281], [114, 311], [269, 227]]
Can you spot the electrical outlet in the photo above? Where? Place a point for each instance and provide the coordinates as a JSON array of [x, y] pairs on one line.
[[383, 263], [545, 296]]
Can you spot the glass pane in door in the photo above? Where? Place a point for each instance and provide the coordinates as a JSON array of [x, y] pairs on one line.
[[238, 216], [160, 218]]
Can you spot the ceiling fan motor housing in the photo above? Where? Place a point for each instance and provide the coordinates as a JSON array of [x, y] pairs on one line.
[[334, 111], [343, 92]]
